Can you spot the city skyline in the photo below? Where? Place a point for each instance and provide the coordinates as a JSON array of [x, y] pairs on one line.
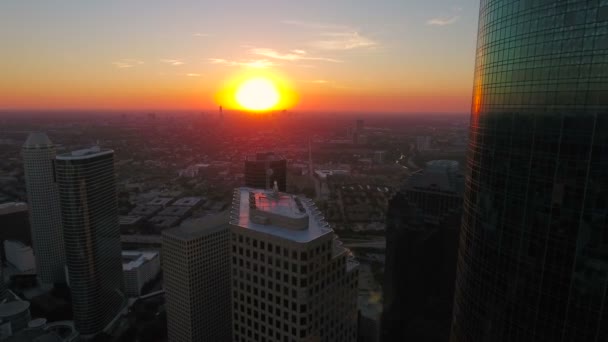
[[398, 57]]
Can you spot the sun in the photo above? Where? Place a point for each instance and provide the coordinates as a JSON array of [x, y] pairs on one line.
[[257, 94]]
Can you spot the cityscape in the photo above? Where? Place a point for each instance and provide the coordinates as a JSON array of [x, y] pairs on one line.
[[303, 192]]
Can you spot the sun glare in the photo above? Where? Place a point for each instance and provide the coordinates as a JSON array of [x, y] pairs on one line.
[[257, 94]]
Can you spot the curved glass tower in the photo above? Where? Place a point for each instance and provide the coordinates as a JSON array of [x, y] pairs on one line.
[[533, 257]]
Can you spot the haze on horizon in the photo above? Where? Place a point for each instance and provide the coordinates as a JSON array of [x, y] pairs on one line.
[[358, 55]]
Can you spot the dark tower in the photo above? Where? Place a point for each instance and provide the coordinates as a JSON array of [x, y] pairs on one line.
[[264, 169], [422, 227], [533, 255]]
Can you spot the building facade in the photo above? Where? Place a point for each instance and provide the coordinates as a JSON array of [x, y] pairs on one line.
[[262, 170], [533, 255], [196, 264], [45, 214], [139, 268], [87, 189], [291, 278], [422, 226]]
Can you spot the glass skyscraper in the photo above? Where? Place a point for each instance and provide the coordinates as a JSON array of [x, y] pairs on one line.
[[87, 191], [533, 257]]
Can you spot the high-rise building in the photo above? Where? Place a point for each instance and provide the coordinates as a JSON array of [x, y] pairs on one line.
[[291, 278], [263, 169], [196, 264], [87, 189], [422, 227], [533, 255], [45, 215]]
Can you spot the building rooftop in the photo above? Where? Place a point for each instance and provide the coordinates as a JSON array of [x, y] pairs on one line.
[[127, 220], [442, 175], [199, 227], [134, 259], [175, 210], [13, 308], [279, 214], [37, 140], [85, 153], [265, 156], [12, 207], [164, 221], [188, 201], [162, 201]]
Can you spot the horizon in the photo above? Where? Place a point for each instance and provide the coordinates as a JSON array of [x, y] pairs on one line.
[[391, 57]]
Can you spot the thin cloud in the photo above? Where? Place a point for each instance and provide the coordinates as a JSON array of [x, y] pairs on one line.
[[314, 25], [343, 41], [193, 75], [333, 36], [173, 62], [443, 21], [256, 64], [294, 55], [127, 63]]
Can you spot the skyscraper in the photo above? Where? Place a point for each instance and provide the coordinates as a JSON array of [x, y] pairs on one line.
[[87, 190], [533, 255], [291, 278], [197, 280], [45, 215], [422, 227], [263, 169]]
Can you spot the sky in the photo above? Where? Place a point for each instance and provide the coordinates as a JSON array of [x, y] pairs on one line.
[[336, 55]]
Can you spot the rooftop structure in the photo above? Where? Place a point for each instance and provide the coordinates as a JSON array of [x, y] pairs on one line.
[[12, 207], [85, 153], [442, 175], [164, 221], [139, 268], [283, 215], [145, 210], [129, 220]]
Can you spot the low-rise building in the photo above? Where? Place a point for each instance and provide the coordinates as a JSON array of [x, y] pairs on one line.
[[139, 267]]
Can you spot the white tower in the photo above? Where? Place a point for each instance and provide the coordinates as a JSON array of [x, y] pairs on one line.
[[45, 213]]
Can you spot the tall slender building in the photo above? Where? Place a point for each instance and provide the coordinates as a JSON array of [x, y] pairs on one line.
[[291, 278], [197, 280], [533, 255], [422, 226], [45, 214], [87, 190]]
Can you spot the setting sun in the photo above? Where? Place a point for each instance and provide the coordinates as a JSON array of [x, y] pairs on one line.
[[257, 94]]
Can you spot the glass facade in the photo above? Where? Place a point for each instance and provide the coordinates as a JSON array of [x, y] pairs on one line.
[[533, 257], [87, 192]]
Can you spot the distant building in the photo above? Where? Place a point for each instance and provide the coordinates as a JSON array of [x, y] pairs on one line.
[[264, 169], [292, 279], [423, 222], [139, 268], [20, 256], [196, 264], [360, 125], [423, 143], [14, 317], [45, 214], [14, 223], [87, 190]]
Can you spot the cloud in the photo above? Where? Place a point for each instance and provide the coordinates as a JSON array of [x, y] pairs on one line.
[[333, 36], [294, 55], [127, 63], [343, 41], [257, 63], [193, 75], [443, 21], [173, 62]]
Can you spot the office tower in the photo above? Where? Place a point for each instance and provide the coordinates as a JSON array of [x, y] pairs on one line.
[[263, 169], [87, 191], [533, 249], [422, 227], [360, 125], [45, 215], [196, 264], [291, 278]]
